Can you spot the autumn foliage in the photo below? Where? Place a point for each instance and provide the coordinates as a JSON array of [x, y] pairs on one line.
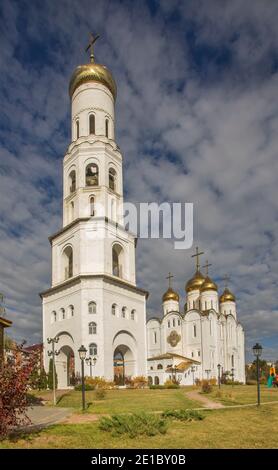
[[14, 383]]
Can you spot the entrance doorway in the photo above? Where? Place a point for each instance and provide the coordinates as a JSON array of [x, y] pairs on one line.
[[65, 367], [124, 364]]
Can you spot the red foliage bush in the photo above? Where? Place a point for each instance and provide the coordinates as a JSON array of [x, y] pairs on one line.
[[14, 385]]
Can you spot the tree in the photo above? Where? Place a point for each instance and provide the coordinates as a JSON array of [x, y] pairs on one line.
[[50, 376], [14, 382], [42, 384]]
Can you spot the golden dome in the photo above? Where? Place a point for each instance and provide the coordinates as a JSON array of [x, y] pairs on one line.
[[227, 296], [92, 73], [195, 282], [170, 294], [208, 285]]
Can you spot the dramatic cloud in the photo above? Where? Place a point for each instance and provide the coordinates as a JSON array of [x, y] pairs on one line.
[[197, 119]]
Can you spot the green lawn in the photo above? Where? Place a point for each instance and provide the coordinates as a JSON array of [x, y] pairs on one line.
[[129, 401], [227, 428], [242, 394]]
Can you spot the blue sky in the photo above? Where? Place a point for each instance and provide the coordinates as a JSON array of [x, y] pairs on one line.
[[197, 118]]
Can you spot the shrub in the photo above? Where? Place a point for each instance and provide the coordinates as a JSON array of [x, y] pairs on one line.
[[156, 387], [14, 383], [183, 415], [100, 394], [88, 387], [134, 425], [50, 376], [99, 382], [213, 381], [139, 382], [171, 383], [206, 387]]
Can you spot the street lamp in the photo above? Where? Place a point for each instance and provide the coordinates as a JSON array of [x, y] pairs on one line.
[[82, 354], [89, 362], [257, 351], [219, 376], [52, 354], [233, 375], [193, 370]]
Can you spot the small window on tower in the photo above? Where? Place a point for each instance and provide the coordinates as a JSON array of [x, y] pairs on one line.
[[92, 307], [106, 127], [92, 124], [112, 179], [72, 181], [77, 129], [92, 206], [92, 175]]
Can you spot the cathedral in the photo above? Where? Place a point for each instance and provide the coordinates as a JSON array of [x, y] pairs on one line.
[[94, 300]]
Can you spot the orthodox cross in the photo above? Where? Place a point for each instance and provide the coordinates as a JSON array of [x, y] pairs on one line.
[[206, 266], [91, 46], [226, 280], [197, 254], [169, 277]]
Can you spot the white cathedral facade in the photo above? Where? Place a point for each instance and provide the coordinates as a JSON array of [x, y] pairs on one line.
[[94, 299]]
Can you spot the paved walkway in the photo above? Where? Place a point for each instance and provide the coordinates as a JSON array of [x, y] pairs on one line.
[[206, 402], [46, 415]]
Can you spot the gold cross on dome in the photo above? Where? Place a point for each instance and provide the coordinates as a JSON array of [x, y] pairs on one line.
[[226, 280], [206, 266], [197, 255], [90, 46], [170, 277]]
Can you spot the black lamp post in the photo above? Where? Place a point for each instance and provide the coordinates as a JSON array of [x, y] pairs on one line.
[[82, 354], [193, 370], [257, 351], [233, 375], [219, 376], [52, 354]]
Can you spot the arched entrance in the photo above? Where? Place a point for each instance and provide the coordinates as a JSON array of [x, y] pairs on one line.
[[65, 367], [124, 364]]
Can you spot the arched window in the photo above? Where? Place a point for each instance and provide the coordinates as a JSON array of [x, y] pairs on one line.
[[53, 317], [68, 262], [117, 260], [92, 328], [77, 129], [92, 206], [93, 349], [106, 128], [233, 360], [92, 124], [92, 174], [132, 314], [169, 324], [156, 380], [72, 181], [114, 309], [92, 307], [154, 337], [112, 179], [194, 331], [179, 322], [124, 311], [62, 314], [150, 380], [159, 366], [174, 322], [70, 311]]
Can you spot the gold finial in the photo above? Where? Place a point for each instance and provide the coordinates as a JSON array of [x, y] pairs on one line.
[[206, 266], [198, 253], [92, 40], [226, 280], [169, 277]]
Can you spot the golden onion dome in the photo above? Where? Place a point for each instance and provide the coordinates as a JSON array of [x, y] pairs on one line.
[[196, 282], [208, 285], [170, 294], [92, 73], [227, 296]]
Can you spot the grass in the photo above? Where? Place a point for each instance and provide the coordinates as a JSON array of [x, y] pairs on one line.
[[130, 401], [223, 428], [242, 394]]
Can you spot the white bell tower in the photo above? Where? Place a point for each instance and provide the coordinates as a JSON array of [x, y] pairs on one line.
[[93, 299]]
